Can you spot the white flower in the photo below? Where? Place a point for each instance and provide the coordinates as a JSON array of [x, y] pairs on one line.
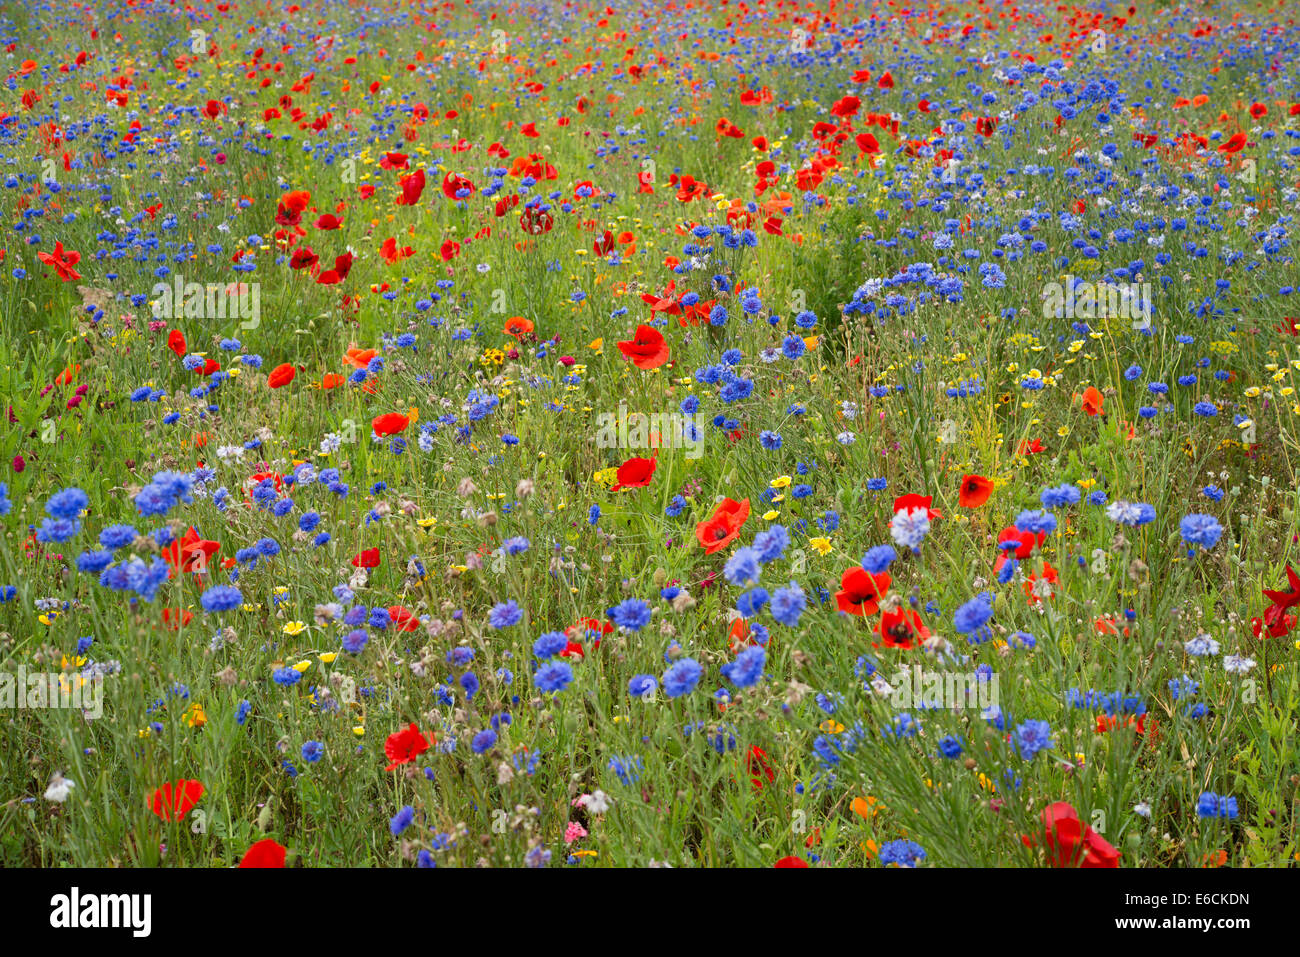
[[909, 527], [59, 789], [1142, 809], [1238, 665], [598, 802]]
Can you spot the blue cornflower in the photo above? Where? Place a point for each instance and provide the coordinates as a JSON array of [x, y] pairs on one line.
[[632, 614], [788, 604], [553, 677], [401, 820], [221, 598], [1202, 530], [902, 853], [746, 669], [973, 615], [505, 614], [1032, 737], [682, 678], [878, 559]]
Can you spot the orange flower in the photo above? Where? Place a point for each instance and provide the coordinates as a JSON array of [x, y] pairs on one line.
[[1092, 401], [518, 327], [359, 358]]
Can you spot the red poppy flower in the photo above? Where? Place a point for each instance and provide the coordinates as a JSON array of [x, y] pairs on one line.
[[867, 143], [886, 81], [390, 423], [62, 262], [176, 342], [719, 531], [1049, 575], [1092, 401], [303, 258], [518, 326], [974, 492], [534, 221], [1025, 541], [403, 618], [412, 188], [190, 553], [172, 802], [905, 503], [366, 558], [902, 628], [454, 183], [403, 747], [758, 768], [860, 591], [1070, 842], [265, 853], [791, 862], [171, 617], [846, 106], [1276, 623], [1290, 597], [1233, 144], [635, 473], [647, 349], [342, 266], [281, 375]]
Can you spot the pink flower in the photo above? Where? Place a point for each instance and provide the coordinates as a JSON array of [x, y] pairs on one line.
[[20, 463], [573, 832]]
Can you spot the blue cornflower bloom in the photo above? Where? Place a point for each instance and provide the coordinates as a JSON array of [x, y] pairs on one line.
[[682, 678]]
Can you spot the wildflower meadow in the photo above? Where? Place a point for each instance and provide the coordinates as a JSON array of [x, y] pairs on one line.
[[693, 433]]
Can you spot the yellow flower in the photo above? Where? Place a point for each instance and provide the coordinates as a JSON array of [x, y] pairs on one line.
[[771, 515], [328, 657], [821, 543], [294, 628], [195, 717], [302, 666], [781, 481]]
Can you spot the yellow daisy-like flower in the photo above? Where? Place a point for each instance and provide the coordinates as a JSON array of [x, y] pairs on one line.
[[294, 628], [771, 515], [328, 657], [821, 543], [302, 666]]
